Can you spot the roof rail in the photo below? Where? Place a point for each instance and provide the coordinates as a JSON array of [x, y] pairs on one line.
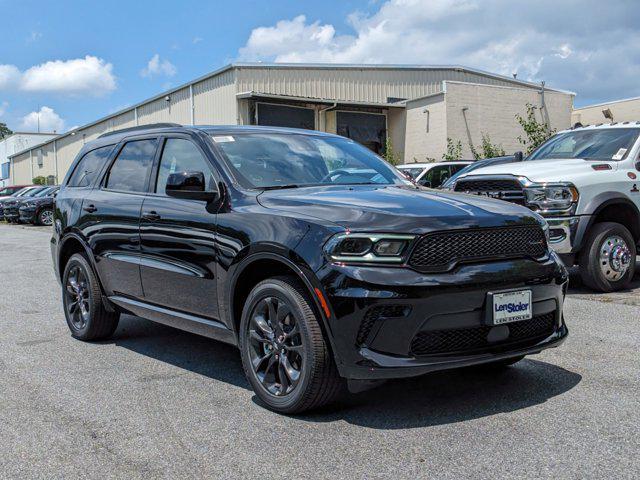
[[140, 127]]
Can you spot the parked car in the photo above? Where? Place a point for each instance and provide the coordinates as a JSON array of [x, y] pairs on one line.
[[485, 162], [6, 192], [432, 175], [26, 191], [12, 205], [266, 239], [39, 208], [584, 181]]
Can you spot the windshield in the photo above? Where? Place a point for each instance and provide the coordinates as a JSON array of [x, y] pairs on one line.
[[45, 192], [32, 192], [7, 191], [413, 172], [595, 144], [261, 160]]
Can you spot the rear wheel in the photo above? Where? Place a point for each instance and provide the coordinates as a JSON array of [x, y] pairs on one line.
[[45, 217], [608, 258], [82, 299], [284, 353]]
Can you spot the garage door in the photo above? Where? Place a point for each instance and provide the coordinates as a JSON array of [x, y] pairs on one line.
[[369, 129], [285, 116]]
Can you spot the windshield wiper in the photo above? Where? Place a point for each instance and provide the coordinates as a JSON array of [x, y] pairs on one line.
[[279, 187]]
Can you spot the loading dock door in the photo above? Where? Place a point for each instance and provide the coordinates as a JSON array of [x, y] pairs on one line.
[[369, 129], [275, 115]]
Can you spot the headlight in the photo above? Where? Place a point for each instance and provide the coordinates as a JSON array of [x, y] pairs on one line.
[[368, 247], [554, 198]]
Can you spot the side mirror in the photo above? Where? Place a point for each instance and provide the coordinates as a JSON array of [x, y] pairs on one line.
[[189, 186], [638, 165], [518, 156]]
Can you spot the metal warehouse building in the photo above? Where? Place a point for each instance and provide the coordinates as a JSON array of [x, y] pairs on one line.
[[416, 107]]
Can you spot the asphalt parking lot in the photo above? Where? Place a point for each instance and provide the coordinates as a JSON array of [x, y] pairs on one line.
[[155, 402]]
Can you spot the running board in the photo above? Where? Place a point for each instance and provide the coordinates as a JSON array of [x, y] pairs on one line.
[[183, 321]]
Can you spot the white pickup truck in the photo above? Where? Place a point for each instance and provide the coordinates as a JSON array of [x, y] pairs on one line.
[[584, 181]]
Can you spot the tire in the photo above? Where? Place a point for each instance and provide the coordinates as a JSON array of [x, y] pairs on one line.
[[45, 217], [88, 320], [598, 269], [273, 339]]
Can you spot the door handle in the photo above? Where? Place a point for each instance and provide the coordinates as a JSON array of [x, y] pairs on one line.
[[152, 216], [90, 208]]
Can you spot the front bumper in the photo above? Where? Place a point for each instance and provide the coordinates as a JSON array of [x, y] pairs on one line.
[[567, 233], [27, 214], [11, 213], [452, 304]]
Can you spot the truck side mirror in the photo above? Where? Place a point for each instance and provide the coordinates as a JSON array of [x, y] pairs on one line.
[[518, 156]]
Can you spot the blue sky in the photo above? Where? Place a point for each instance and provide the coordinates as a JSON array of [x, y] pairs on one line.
[[77, 61]]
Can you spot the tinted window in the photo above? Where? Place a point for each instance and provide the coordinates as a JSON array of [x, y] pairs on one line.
[[130, 170], [180, 155], [89, 167], [412, 172], [435, 177]]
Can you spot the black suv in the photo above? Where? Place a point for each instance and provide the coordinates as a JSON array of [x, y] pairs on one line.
[[38, 209], [306, 250]]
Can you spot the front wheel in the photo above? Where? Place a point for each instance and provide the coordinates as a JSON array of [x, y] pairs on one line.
[[82, 299], [284, 353], [608, 258], [45, 217]]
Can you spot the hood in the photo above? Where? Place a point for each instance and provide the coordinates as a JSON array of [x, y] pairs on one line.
[[556, 170], [398, 209]]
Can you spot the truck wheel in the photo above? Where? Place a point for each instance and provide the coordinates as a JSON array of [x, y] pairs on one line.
[[608, 258], [284, 353], [82, 299]]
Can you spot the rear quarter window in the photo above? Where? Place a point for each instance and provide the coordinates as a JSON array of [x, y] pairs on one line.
[[89, 167]]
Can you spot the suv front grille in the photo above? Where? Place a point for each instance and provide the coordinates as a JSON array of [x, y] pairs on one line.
[[439, 251], [475, 338]]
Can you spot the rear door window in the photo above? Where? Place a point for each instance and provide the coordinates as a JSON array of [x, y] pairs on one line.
[[130, 170], [89, 167]]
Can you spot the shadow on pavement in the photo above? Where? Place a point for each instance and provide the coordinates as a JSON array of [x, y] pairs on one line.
[[434, 399]]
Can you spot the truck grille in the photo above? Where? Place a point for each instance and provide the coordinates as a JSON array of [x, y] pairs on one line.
[[465, 340], [500, 188], [440, 251]]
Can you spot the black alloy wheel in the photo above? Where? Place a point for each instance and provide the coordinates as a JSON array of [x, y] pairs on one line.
[[84, 309], [285, 355]]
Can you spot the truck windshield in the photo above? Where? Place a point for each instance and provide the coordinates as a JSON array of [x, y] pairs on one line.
[[591, 144], [273, 160]]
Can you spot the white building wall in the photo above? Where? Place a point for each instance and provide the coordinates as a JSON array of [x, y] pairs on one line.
[[492, 110], [16, 143], [623, 111], [426, 129]]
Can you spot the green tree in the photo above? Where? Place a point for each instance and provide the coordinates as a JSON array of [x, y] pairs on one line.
[[454, 150], [487, 149], [389, 154], [40, 180], [4, 130], [535, 132]]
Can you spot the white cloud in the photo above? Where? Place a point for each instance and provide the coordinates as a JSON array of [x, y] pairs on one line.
[[89, 75], [197, 40], [3, 108], [532, 39], [46, 119], [157, 66], [9, 77]]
